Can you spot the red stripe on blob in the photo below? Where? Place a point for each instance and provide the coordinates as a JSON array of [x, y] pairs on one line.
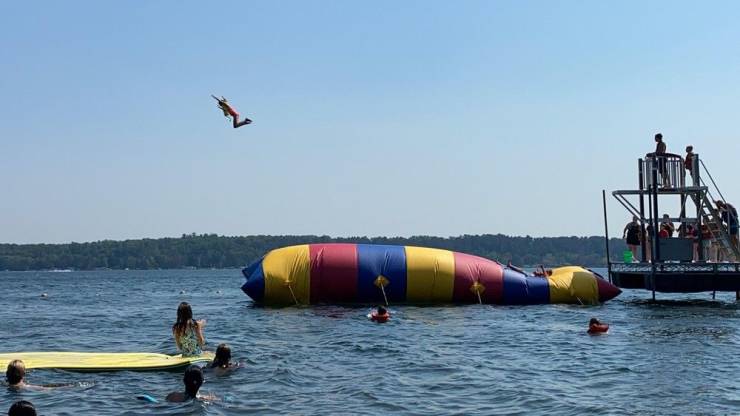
[[606, 290], [470, 269], [333, 273]]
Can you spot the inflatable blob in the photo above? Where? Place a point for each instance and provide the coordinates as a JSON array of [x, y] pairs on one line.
[[380, 274]]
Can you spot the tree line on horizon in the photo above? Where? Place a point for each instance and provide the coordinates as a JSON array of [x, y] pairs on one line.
[[214, 251]]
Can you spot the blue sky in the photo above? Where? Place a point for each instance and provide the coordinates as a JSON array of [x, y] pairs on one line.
[[370, 118]]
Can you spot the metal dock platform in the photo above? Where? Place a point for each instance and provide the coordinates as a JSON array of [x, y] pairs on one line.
[[704, 256], [677, 277]]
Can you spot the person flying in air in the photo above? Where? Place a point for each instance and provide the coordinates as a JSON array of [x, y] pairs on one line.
[[230, 112]]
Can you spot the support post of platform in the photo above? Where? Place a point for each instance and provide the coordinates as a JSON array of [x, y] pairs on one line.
[[656, 232], [696, 182], [606, 237], [640, 186], [656, 224]]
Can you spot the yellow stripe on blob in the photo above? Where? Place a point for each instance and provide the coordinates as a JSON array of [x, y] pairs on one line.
[[573, 284], [430, 275], [287, 276]]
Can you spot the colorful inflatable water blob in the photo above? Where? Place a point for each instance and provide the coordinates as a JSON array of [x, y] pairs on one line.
[[375, 274]]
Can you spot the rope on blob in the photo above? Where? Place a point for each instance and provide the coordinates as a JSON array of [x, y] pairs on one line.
[[478, 288], [287, 283], [381, 282]]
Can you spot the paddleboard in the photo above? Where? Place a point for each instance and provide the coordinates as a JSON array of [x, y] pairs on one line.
[[102, 361]]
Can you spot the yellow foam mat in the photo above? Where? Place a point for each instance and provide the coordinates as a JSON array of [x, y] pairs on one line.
[[101, 361]]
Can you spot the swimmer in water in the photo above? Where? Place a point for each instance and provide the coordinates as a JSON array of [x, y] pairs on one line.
[[221, 364], [380, 315], [188, 333], [193, 379], [22, 408], [597, 327], [15, 375]]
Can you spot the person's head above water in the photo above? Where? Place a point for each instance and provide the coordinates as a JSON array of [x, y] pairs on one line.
[[193, 379], [594, 321], [22, 408], [15, 372], [382, 310], [223, 356]]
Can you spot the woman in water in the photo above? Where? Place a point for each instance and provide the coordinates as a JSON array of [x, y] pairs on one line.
[[188, 333], [193, 379], [221, 364]]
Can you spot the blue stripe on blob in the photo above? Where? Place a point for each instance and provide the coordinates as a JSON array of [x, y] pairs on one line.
[[524, 290], [254, 287], [376, 260]]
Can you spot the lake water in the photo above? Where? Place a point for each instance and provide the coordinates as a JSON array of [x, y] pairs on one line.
[[676, 356]]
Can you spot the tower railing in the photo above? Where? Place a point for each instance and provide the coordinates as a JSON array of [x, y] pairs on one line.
[[670, 169]]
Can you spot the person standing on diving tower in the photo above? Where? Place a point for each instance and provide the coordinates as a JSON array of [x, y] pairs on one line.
[[229, 111]]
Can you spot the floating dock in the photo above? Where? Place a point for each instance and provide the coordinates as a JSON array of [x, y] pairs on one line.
[[704, 256]]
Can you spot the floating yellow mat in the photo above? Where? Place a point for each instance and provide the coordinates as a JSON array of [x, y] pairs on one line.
[[101, 361]]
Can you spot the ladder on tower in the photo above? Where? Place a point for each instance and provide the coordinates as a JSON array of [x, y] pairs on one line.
[[711, 216], [720, 236]]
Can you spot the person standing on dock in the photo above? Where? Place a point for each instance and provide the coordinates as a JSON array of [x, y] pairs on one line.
[[632, 233], [710, 249], [667, 225], [687, 230], [728, 213], [688, 163], [660, 151]]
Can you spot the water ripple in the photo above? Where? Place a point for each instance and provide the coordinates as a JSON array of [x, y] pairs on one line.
[[666, 357]]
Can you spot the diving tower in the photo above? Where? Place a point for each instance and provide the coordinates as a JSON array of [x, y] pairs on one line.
[[704, 256]]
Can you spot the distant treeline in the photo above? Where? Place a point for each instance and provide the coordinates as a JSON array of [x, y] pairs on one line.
[[211, 250]]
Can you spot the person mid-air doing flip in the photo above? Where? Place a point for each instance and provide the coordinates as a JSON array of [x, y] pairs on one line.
[[229, 112]]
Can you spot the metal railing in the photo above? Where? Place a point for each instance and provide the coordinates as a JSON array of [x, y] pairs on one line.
[[670, 171], [714, 184]]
